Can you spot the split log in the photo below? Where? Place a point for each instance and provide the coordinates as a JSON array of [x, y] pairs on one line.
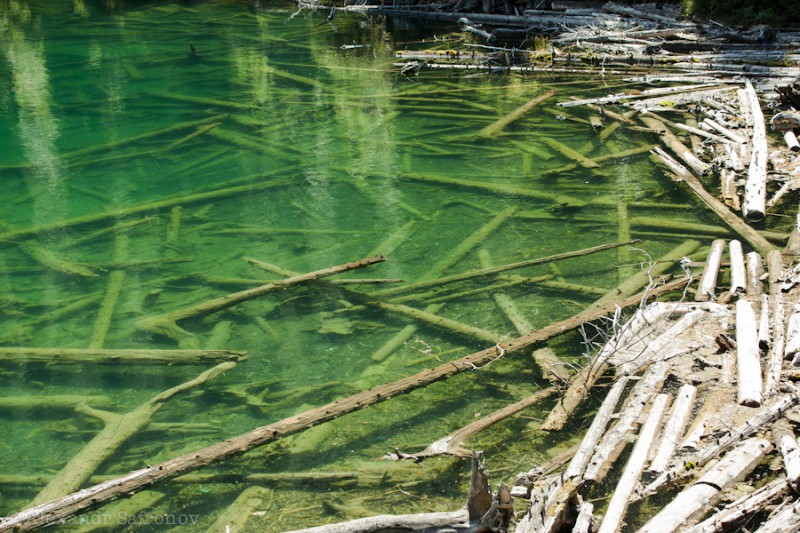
[[735, 465], [790, 451], [708, 281], [748, 365], [704, 455], [614, 441], [755, 270], [785, 520], [738, 273], [126, 485], [793, 336], [166, 324], [776, 349], [633, 468], [684, 153], [736, 513], [498, 126], [755, 189], [117, 430], [600, 420], [681, 408], [114, 356]]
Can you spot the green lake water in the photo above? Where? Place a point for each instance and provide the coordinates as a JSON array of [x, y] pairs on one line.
[[150, 147]]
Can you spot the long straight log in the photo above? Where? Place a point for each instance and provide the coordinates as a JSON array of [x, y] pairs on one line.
[[681, 408], [755, 189], [684, 153], [738, 273], [748, 365], [502, 268], [82, 500], [166, 324], [633, 468], [498, 126], [708, 281], [115, 356]]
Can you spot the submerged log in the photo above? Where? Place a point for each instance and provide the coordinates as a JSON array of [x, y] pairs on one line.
[[126, 485], [114, 356], [166, 324], [498, 126], [736, 513]]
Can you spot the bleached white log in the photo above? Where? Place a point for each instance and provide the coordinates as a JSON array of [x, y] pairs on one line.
[[644, 94], [755, 269], [581, 458], [702, 133], [633, 468], [704, 455], [657, 349], [681, 408], [583, 523], [755, 189], [791, 461], [708, 281], [735, 513], [791, 141], [744, 107], [671, 163], [764, 329], [613, 441], [692, 439], [786, 520], [634, 330], [793, 246], [735, 465], [775, 273], [730, 195], [738, 139], [793, 335], [776, 349], [738, 273], [748, 366], [732, 158]]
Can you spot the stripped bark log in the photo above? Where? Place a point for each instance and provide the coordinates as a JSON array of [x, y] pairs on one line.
[[714, 125], [681, 408], [736, 513], [755, 269], [614, 441], [633, 468], [748, 365], [783, 521], [166, 324], [776, 348], [764, 326], [755, 189], [708, 281], [738, 273], [54, 511], [684, 153], [735, 465], [793, 336], [791, 461]]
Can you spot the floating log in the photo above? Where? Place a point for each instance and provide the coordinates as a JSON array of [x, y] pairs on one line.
[[776, 348], [748, 365], [128, 484], [724, 131], [497, 127], [643, 94], [115, 356], [633, 468], [166, 324], [728, 188], [113, 289], [675, 145], [733, 466], [708, 281], [583, 522], [784, 520], [755, 270], [681, 408], [755, 189]]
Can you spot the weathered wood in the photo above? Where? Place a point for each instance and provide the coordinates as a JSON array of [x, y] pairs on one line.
[[784, 520], [737, 512], [708, 281], [791, 141], [613, 442], [755, 270], [681, 408], [644, 94], [577, 465], [234, 517], [51, 512], [21, 355], [117, 430], [776, 348], [724, 131], [166, 324], [566, 151], [790, 451], [633, 468], [498, 126], [748, 365], [738, 273], [755, 189], [684, 153], [733, 466], [113, 289]]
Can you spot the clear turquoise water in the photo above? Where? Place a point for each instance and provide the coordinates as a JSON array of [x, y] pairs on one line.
[[119, 147]]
